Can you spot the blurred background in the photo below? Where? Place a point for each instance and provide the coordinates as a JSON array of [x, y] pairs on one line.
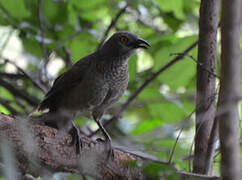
[[42, 39]]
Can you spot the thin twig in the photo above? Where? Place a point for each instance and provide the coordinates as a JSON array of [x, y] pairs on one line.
[[12, 75], [42, 33], [67, 59], [155, 28], [190, 155], [200, 64], [62, 42], [34, 82], [31, 100], [174, 146], [113, 24], [146, 83], [6, 104], [5, 43], [178, 136]]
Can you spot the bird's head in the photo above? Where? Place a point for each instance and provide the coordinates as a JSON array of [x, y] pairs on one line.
[[124, 44]]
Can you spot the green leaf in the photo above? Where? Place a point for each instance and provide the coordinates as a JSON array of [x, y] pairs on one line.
[[179, 74], [166, 112], [132, 67], [3, 110], [174, 6], [82, 46], [32, 46], [15, 8], [150, 94], [52, 10], [147, 125], [156, 171], [6, 94]]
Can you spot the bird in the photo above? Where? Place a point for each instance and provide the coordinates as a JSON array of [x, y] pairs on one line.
[[94, 83]]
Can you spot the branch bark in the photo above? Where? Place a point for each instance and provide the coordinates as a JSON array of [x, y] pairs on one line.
[[40, 150], [206, 91], [230, 90]]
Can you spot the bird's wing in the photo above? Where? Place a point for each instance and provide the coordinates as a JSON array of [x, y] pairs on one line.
[[65, 81]]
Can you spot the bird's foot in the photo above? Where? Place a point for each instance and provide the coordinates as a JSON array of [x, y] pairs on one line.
[[108, 148], [75, 134]]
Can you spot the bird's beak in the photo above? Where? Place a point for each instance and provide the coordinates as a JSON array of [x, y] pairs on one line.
[[141, 43]]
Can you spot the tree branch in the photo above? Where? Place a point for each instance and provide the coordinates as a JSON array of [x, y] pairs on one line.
[[206, 83], [6, 104], [34, 82], [41, 150], [42, 33], [31, 100], [112, 24], [230, 90]]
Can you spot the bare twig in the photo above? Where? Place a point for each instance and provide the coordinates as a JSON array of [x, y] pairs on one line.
[[200, 64], [34, 82], [31, 100], [42, 33], [62, 42], [6, 41], [7, 105], [178, 136], [147, 24], [174, 146], [12, 75], [67, 59], [190, 155], [113, 24], [146, 83]]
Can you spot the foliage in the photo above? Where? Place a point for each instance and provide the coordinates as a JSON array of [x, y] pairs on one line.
[[154, 119]]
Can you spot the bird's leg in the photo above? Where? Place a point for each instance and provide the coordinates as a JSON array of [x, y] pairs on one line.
[[108, 140], [75, 134], [64, 120]]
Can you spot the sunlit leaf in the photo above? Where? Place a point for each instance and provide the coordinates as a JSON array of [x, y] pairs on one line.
[[16, 9]]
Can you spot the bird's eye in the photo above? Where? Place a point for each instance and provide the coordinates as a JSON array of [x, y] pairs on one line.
[[123, 39]]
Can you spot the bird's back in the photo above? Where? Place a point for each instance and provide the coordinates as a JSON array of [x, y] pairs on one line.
[[93, 82]]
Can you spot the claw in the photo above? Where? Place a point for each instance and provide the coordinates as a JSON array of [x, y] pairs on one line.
[[108, 148], [110, 152], [75, 134]]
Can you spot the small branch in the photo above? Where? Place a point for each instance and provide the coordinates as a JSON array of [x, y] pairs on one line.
[[7, 105], [178, 136], [35, 83], [147, 24], [186, 175], [42, 33], [12, 75], [6, 41], [174, 146], [198, 63], [31, 100], [112, 24], [67, 59], [211, 146], [62, 42]]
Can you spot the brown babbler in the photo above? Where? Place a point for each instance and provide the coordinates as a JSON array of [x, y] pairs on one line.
[[94, 83]]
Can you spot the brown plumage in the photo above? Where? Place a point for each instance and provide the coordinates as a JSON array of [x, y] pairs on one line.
[[96, 81]]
